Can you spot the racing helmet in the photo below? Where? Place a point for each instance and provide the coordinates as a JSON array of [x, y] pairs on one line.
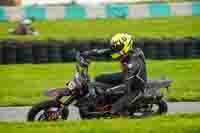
[[120, 44]]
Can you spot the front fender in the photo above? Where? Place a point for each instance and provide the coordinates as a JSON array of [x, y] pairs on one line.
[[54, 92]]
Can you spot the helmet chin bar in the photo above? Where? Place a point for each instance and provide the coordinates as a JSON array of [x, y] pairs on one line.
[[116, 47], [122, 52], [116, 55]]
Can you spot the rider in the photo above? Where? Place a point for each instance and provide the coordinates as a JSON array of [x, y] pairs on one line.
[[24, 28], [133, 69]]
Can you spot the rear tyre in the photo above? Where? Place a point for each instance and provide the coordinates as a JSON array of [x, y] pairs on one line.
[[163, 107], [157, 108], [45, 106]]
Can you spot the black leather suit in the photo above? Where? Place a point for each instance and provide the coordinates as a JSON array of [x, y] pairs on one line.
[[133, 74]]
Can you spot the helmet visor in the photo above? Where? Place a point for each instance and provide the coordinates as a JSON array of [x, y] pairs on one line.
[[117, 46], [116, 50]]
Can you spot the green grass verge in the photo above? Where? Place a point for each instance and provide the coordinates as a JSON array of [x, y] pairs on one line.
[[105, 28], [24, 84], [179, 123]]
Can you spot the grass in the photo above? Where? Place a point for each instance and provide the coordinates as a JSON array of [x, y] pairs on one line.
[[23, 84], [179, 123], [105, 28]]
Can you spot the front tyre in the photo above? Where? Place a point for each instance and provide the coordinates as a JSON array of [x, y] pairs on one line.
[[47, 111]]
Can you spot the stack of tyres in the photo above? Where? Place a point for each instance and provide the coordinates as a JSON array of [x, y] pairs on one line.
[[68, 51], [9, 53], [196, 47], [145, 48], [164, 51], [83, 45], [40, 53], [151, 47], [178, 48], [24, 53], [54, 52], [188, 47], [139, 43], [1, 53]]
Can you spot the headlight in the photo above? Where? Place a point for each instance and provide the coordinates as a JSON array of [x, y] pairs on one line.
[[71, 85]]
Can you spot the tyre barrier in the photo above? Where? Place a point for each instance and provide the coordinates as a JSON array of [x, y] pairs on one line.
[[139, 43], [12, 51], [54, 52], [40, 53], [24, 53], [9, 53], [1, 54], [164, 49], [188, 47], [195, 48], [151, 48], [178, 48], [67, 51]]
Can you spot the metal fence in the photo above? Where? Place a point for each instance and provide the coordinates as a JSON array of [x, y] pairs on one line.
[[74, 11]]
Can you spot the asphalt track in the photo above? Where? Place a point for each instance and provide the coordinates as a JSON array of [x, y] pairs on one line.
[[18, 114]]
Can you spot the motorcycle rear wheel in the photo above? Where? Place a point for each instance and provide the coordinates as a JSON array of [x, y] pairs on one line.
[[161, 108]]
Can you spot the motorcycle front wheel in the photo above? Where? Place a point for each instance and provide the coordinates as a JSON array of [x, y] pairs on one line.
[[47, 111]]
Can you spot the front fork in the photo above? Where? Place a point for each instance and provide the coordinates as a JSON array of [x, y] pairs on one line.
[[64, 104]]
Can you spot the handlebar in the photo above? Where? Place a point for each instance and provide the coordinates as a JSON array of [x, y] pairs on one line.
[[82, 66], [83, 62]]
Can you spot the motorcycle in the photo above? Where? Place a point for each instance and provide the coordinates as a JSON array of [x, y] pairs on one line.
[[95, 99]]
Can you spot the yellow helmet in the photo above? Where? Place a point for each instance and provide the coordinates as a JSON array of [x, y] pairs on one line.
[[120, 44]]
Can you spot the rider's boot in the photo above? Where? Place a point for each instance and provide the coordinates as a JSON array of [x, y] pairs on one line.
[[119, 108]]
